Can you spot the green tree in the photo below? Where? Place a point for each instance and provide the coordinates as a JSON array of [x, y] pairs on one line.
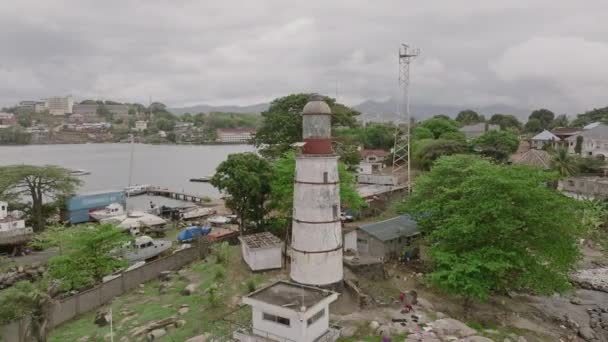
[[468, 117], [14, 135], [506, 122], [544, 116], [439, 126], [595, 115], [86, 256], [493, 228], [349, 154], [283, 175], [282, 123], [560, 121], [564, 163], [28, 300], [245, 178], [498, 145], [421, 133], [428, 151], [457, 136], [533, 126], [38, 183], [171, 137]]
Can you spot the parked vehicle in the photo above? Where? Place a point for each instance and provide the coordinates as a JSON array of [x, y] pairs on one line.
[[193, 232]]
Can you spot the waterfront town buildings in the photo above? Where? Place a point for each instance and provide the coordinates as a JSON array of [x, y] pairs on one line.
[[372, 161], [60, 105], [7, 120], [141, 125], [235, 135], [386, 239]]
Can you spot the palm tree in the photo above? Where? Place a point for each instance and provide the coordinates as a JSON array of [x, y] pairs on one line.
[[564, 163]]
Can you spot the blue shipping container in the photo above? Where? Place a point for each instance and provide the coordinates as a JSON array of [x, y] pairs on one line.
[[79, 206]]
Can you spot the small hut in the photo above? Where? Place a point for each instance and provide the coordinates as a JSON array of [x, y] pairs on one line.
[[262, 251], [533, 157]]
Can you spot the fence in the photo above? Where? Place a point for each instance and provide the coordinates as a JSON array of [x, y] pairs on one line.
[[70, 307]]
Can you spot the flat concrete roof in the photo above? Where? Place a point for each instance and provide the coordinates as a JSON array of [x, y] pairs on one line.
[[290, 295], [261, 240]]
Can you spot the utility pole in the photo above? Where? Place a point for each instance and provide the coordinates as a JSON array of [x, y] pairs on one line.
[[401, 149]]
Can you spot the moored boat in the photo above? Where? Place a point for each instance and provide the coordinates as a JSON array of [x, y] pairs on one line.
[[135, 190], [144, 248], [112, 210]]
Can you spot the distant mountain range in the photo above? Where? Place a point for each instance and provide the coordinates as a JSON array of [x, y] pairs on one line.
[[371, 110], [203, 108]]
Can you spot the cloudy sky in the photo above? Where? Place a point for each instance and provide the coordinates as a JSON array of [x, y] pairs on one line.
[[524, 53]]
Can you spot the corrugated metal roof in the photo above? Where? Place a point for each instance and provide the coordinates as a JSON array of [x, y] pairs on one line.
[[390, 229], [545, 135]]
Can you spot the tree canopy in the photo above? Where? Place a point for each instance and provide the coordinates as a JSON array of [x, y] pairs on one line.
[[506, 122], [38, 183], [282, 123], [427, 151], [245, 178], [498, 145], [493, 228], [439, 126], [544, 116], [86, 255], [597, 114], [468, 117]]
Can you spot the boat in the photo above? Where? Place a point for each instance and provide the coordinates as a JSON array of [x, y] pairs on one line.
[[135, 190], [204, 179], [79, 172], [218, 220], [135, 220], [144, 248], [196, 212], [114, 209], [193, 232]]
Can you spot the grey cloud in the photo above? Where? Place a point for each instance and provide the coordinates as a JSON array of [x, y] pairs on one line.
[[238, 52]]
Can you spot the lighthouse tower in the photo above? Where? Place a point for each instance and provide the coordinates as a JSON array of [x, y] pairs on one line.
[[316, 243]]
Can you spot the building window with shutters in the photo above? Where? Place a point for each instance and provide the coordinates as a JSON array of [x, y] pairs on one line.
[[277, 319], [325, 177], [335, 211], [315, 317]]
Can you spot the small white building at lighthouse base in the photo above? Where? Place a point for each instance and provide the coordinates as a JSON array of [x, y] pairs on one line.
[[286, 311]]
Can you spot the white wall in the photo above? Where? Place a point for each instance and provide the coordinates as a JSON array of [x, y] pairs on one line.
[[260, 259], [317, 268], [350, 241]]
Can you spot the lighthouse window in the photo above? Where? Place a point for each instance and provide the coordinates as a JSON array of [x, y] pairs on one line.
[[335, 210], [325, 177]]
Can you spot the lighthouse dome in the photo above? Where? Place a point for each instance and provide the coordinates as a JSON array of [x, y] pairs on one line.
[[316, 105]]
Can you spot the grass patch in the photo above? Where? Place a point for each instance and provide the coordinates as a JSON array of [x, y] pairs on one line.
[[206, 308]]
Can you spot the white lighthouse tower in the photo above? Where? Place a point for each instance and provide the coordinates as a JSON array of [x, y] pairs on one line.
[[316, 244]]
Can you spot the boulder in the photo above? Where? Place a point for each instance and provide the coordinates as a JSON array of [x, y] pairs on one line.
[[586, 333], [189, 289], [452, 327], [373, 325], [85, 338], [183, 311], [592, 279], [156, 334], [165, 275], [521, 339], [180, 323], [349, 331], [102, 318]]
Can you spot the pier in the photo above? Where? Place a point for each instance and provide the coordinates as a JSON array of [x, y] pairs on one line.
[[176, 195]]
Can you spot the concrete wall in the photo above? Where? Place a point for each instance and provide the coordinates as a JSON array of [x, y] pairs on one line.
[[377, 179], [70, 307], [369, 245], [588, 186]]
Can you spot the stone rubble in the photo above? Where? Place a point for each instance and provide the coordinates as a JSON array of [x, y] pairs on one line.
[[592, 279]]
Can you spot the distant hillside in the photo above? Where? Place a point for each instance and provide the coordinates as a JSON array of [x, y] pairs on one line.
[[385, 110], [203, 108], [371, 110]]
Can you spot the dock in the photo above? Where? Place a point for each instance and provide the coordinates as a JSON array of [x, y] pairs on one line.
[[182, 196]]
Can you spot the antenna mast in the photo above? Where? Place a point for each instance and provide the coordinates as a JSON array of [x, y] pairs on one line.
[[401, 149]]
